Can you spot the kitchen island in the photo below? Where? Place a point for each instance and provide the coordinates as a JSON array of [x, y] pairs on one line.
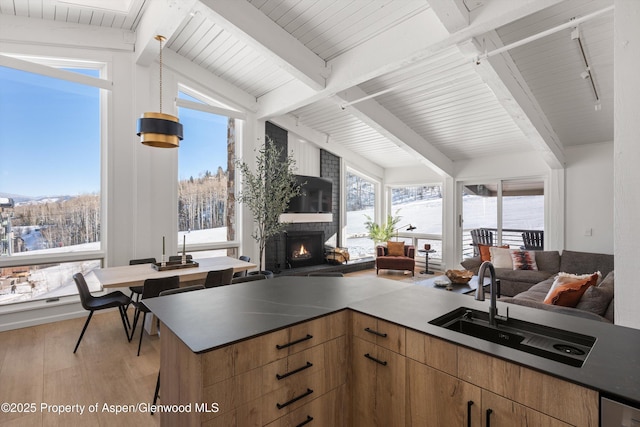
[[231, 345]]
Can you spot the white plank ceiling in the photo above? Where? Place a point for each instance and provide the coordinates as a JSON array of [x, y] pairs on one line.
[[436, 108]]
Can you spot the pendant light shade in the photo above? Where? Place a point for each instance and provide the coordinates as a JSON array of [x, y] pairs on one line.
[[159, 129]]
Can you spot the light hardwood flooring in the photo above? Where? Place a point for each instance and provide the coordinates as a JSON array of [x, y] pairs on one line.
[[37, 366]]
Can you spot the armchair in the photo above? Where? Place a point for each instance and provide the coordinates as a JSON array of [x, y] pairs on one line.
[[386, 260]]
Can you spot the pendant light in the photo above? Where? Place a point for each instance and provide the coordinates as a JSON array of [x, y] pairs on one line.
[[159, 129]]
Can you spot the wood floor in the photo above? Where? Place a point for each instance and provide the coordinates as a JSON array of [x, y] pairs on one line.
[[37, 366]]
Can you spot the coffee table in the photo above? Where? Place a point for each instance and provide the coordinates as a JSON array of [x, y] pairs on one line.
[[458, 288]]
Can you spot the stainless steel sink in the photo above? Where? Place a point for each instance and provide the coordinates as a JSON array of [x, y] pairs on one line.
[[562, 346]]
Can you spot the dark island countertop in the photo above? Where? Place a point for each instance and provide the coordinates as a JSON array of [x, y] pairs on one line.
[[211, 318]]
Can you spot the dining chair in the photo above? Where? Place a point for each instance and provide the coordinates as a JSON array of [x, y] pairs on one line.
[[91, 303], [249, 278], [218, 278], [156, 394], [242, 273], [137, 290], [150, 289]]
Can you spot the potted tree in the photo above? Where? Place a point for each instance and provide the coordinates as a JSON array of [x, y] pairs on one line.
[[382, 233], [266, 191]]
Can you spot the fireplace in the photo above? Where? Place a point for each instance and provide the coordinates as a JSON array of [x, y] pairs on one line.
[[304, 248]]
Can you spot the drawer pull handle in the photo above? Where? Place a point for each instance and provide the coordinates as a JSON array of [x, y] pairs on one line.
[[295, 399], [371, 331], [295, 371], [469, 405], [305, 422], [370, 357], [280, 347], [489, 412]]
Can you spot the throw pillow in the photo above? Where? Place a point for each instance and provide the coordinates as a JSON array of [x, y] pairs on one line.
[[568, 294], [395, 248], [523, 260], [501, 258], [563, 278], [485, 252]]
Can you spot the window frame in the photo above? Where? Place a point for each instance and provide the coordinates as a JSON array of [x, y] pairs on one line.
[[210, 104], [51, 67]]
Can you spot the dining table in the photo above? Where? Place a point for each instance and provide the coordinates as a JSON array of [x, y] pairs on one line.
[[135, 275]]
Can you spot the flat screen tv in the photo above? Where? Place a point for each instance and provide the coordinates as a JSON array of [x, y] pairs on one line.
[[315, 195]]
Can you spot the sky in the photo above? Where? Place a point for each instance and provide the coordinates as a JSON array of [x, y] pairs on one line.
[[50, 136]]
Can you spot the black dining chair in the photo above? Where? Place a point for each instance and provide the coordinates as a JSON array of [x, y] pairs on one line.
[[91, 303], [137, 290], [156, 394], [242, 273], [151, 289], [217, 278], [249, 278]]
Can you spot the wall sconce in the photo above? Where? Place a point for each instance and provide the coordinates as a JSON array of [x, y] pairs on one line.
[[159, 129]]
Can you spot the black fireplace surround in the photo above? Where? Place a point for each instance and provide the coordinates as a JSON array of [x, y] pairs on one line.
[[304, 248]]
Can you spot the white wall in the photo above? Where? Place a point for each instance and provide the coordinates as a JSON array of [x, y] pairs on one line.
[[589, 198], [626, 54]]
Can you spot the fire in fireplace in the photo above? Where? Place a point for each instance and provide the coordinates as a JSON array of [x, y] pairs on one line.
[[304, 248]]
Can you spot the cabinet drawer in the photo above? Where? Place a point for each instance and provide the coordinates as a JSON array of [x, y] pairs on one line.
[[561, 399], [380, 332], [432, 351], [234, 392], [247, 415], [292, 396], [285, 342], [293, 369], [328, 410]]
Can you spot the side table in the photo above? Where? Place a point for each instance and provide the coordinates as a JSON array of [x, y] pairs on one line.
[[426, 260]]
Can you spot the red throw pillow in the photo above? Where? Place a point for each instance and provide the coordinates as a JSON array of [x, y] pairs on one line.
[[569, 294]]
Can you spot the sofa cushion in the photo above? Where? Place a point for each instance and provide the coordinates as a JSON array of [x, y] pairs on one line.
[[526, 276], [585, 262], [548, 261], [501, 257], [523, 260], [568, 294], [485, 251], [395, 248], [597, 299]]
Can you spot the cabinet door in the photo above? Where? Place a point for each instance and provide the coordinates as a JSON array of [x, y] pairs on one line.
[[501, 412], [378, 386], [438, 399]]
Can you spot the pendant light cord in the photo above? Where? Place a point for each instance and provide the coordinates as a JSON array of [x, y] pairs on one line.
[[160, 39]]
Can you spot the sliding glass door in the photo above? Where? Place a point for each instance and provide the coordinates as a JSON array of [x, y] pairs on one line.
[[501, 213]]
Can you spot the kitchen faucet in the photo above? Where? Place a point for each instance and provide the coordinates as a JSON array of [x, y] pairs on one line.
[[493, 310]]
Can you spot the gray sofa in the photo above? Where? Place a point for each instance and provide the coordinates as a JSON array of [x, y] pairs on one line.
[[529, 287]]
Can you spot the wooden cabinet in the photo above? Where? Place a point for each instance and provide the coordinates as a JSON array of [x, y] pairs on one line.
[[378, 371], [258, 381], [351, 369], [452, 385], [559, 399], [437, 399]]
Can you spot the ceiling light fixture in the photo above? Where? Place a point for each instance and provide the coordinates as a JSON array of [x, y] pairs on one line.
[[159, 129]]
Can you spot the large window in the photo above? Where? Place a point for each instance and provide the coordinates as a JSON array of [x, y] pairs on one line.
[[50, 170], [360, 203], [421, 207], [205, 173]]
